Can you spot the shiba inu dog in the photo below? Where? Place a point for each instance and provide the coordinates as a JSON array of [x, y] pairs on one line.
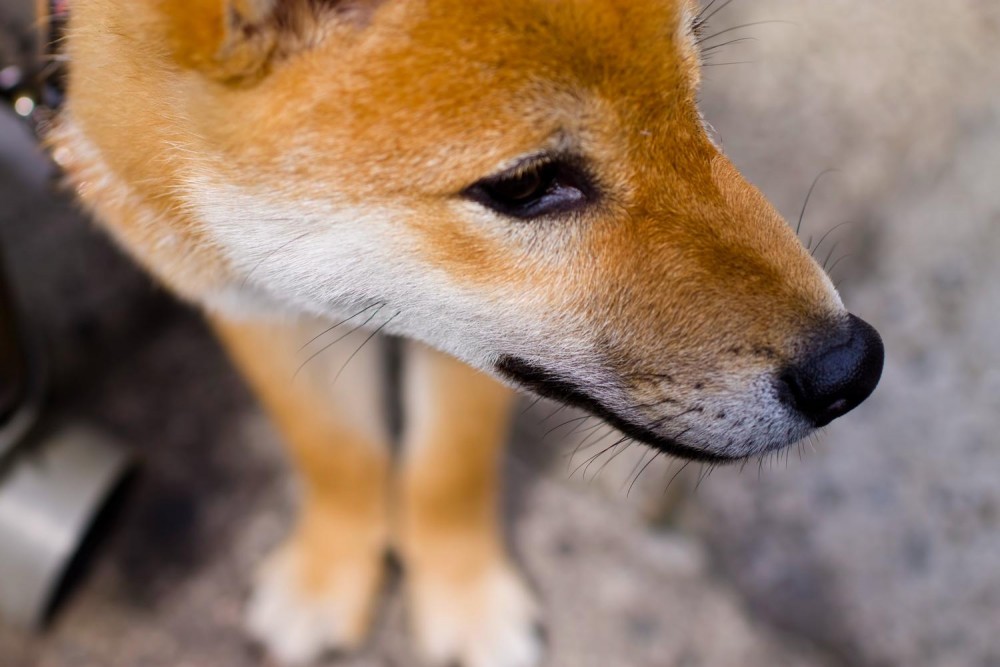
[[524, 190]]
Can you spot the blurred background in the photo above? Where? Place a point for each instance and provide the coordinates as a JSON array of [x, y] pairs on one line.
[[876, 544]]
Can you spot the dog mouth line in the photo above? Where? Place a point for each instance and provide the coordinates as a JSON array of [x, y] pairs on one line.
[[550, 385]]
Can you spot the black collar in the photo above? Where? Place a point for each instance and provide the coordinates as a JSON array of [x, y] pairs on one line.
[[33, 82]]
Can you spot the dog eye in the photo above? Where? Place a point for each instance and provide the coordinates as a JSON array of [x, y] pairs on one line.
[[533, 190]]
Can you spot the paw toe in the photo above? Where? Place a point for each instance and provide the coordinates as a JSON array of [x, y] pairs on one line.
[[490, 623], [297, 626]]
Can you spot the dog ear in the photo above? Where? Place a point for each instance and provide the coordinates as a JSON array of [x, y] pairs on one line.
[[236, 40], [226, 39]]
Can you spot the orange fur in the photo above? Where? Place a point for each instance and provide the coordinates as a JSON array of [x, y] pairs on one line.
[[339, 543], [449, 487], [239, 148]]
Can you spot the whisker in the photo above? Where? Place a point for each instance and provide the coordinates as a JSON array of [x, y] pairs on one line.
[[612, 458], [598, 425], [565, 423], [624, 439], [342, 322], [703, 20], [654, 404], [555, 412], [813, 251], [674, 476], [738, 27], [628, 493], [667, 377], [579, 426], [707, 471], [805, 204], [714, 47], [268, 256], [580, 446], [732, 62], [591, 459], [704, 9], [659, 422], [339, 338], [698, 23], [365, 342], [839, 260], [833, 249], [531, 405]]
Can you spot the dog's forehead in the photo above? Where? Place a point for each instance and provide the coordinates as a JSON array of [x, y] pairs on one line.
[[591, 38], [522, 71], [445, 92]]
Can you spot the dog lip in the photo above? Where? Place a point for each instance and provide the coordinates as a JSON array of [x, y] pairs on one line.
[[551, 385]]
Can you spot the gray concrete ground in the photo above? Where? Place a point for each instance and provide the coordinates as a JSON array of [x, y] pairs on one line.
[[880, 546]]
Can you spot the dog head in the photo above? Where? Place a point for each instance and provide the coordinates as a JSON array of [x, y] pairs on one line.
[[527, 185]]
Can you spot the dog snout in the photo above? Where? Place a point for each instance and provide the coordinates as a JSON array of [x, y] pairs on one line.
[[836, 374]]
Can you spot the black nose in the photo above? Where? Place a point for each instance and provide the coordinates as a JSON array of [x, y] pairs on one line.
[[838, 375]]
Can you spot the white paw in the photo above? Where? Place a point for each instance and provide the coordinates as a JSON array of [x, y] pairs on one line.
[[487, 621], [298, 620]]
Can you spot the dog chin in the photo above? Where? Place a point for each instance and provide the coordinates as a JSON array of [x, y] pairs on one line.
[[549, 385]]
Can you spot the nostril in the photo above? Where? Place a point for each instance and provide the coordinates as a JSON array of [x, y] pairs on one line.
[[837, 375]]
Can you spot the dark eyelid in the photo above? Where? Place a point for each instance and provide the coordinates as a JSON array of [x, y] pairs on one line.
[[570, 171]]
